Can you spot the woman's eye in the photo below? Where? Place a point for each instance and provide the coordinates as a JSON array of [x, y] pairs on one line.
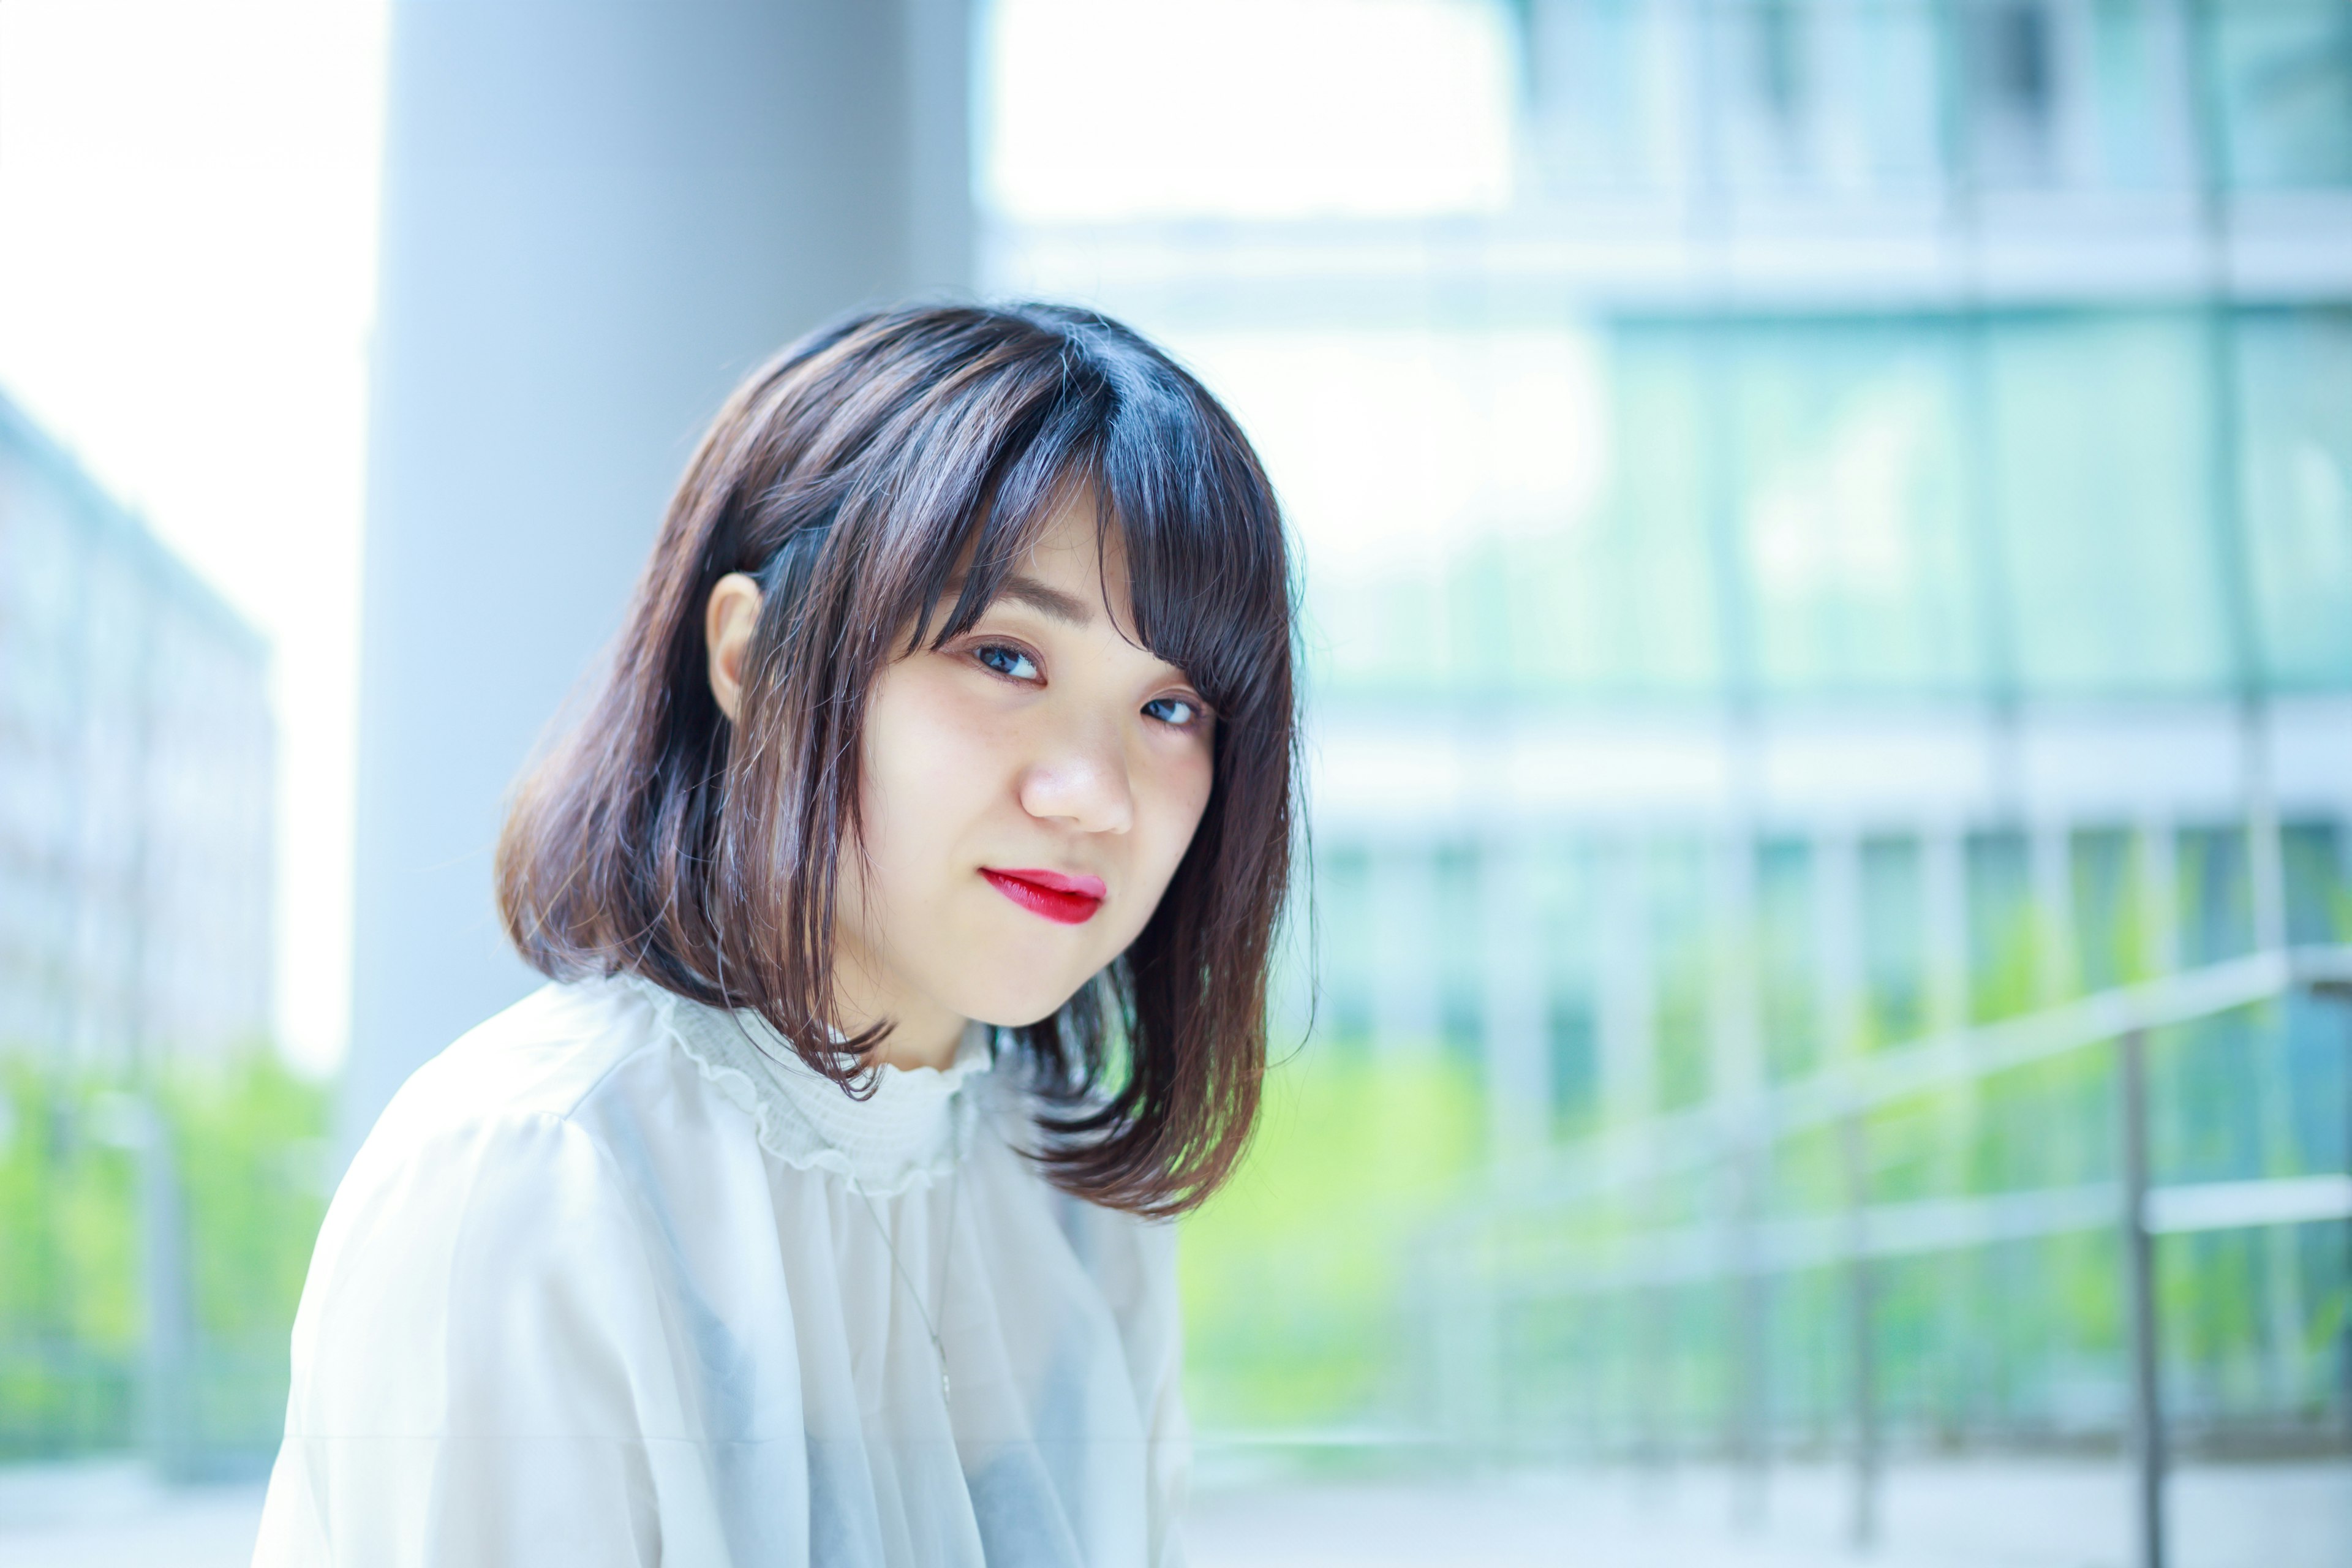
[[1176, 711], [1006, 660]]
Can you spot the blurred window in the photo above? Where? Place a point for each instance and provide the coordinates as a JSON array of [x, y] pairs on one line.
[[1681, 969], [2282, 73], [1599, 74], [2139, 124], [1462, 944], [1560, 878], [1407, 949], [2106, 888], [1769, 91], [2216, 896], [2294, 374], [1787, 961], [2318, 882], [1854, 539], [1343, 951], [1627, 604], [2102, 491], [2002, 934], [1894, 941], [1881, 98], [2009, 79]]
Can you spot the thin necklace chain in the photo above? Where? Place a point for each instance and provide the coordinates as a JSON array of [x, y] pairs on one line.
[[947, 1264], [889, 1247]]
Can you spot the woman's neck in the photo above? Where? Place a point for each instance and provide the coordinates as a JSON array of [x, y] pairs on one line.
[[923, 1032], [921, 1042]]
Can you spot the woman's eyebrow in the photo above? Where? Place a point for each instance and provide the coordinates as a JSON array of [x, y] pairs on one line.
[[1051, 603]]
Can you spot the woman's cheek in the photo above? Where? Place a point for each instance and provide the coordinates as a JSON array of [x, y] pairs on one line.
[[1195, 776], [1181, 797], [925, 740]]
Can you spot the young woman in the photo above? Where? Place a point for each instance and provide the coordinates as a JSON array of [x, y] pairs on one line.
[[906, 893]]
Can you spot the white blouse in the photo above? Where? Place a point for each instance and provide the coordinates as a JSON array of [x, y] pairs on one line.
[[600, 1288]]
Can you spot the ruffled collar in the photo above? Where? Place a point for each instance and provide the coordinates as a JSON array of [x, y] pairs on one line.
[[911, 1130]]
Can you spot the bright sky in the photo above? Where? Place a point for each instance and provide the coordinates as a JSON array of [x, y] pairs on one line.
[[1385, 443], [187, 248], [1104, 109]]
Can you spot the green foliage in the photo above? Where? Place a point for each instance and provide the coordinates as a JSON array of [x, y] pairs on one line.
[[1295, 1276], [245, 1136], [66, 1241], [251, 1150], [68, 1319]]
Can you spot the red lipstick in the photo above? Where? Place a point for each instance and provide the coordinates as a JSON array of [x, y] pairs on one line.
[[1064, 899]]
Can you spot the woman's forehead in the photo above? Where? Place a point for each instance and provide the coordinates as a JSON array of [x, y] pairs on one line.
[[1068, 585], [1076, 543]]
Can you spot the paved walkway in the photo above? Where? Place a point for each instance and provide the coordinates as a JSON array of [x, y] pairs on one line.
[[1995, 1515], [111, 1515]]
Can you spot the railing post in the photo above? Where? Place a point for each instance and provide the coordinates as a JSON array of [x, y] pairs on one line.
[[1837, 919], [1749, 1391], [2139, 1280], [1863, 1523], [136, 1124], [2340, 993]]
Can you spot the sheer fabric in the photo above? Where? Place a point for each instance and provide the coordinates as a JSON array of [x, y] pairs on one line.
[[600, 1288]]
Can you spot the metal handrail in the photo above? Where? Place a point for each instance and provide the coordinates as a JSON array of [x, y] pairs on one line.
[[1686, 1254], [1689, 1140], [1742, 1247]]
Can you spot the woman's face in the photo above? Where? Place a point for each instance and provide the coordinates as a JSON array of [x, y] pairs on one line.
[[1029, 787]]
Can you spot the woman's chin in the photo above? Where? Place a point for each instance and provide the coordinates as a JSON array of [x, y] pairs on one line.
[[1017, 1007]]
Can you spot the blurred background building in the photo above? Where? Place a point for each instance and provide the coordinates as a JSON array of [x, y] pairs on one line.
[[135, 778], [136, 833], [1829, 563]]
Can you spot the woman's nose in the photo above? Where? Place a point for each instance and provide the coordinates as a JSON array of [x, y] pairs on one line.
[[1081, 781]]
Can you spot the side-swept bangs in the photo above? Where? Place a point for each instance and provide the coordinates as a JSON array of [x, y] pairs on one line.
[[881, 478]]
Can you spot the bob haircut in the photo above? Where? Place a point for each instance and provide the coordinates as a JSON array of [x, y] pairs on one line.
[[880, 479]]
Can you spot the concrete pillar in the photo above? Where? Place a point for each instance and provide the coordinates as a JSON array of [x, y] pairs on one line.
[[598, 214]]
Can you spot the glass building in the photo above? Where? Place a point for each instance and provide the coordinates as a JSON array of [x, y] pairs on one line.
[[1828, 542], [135, 784], [136, 827]]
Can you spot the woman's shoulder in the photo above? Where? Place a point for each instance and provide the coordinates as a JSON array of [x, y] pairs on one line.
[[499, 1148], [542, 1061], [488, 1222]]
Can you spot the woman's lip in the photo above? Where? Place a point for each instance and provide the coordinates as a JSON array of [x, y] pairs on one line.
[[1066, 901], [1054, 881]]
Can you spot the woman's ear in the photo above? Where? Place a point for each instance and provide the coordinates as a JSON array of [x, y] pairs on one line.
[[727, 624]]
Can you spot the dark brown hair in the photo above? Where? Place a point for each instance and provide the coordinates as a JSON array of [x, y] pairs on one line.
[[857, 476]]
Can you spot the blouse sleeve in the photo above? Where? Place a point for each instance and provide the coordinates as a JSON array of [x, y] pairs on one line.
[[1171, 1430], [478, 1364], [1134, 1263]]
